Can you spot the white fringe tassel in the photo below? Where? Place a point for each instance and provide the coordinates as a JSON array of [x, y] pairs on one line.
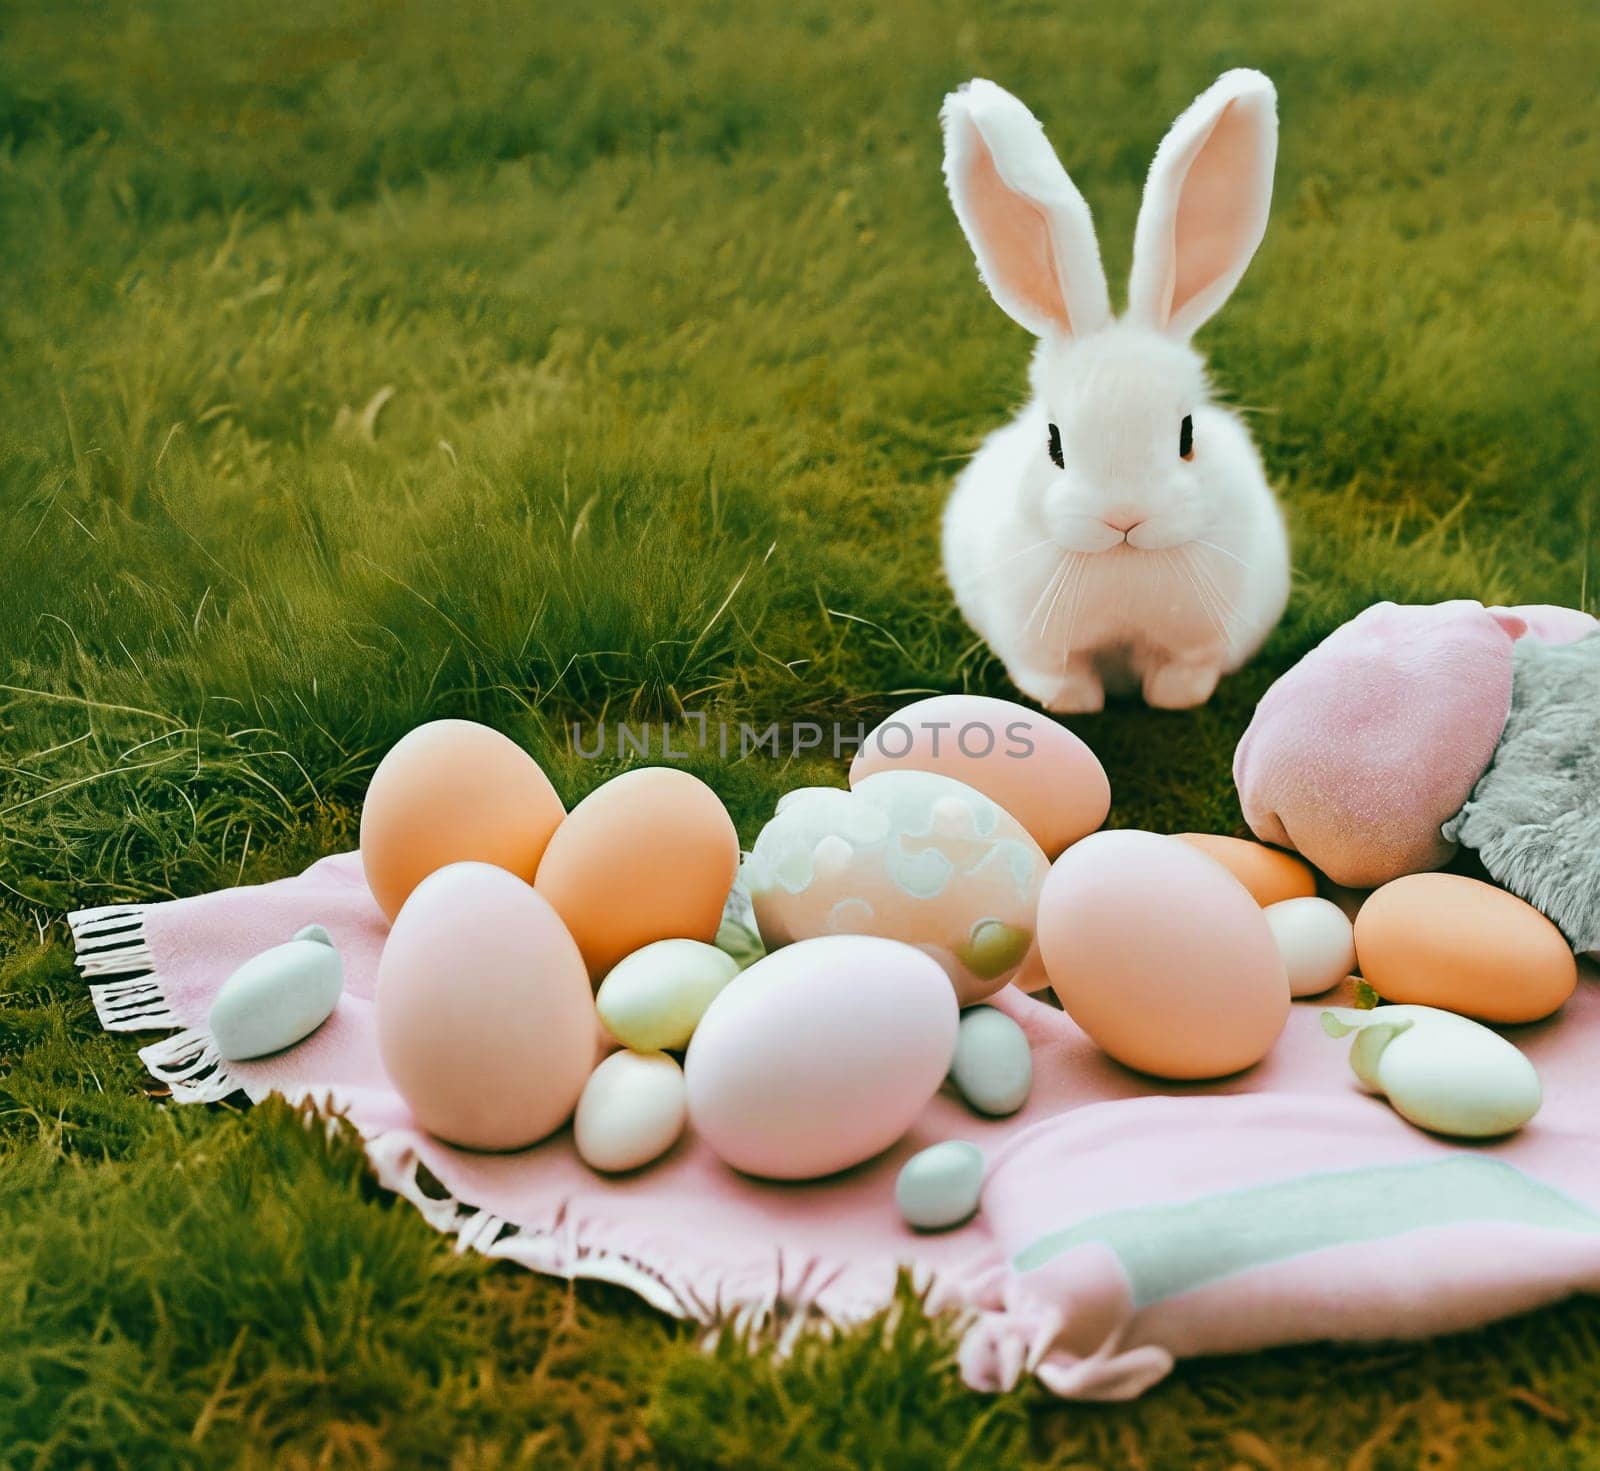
[[138, 1005], [110, 943], [190, 1065]]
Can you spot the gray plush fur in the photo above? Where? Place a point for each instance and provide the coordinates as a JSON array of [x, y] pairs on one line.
[[1534, 816]]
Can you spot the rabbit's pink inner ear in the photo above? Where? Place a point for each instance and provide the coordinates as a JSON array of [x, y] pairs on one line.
[[1013, 244], [1216, 222], [1205, 204]]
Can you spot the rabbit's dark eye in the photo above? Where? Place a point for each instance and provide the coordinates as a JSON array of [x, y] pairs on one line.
[[1056, 457], [1186, 437]]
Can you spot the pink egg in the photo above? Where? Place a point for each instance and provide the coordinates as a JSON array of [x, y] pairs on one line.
[[1022, 759], [486, 1021], [1161, 956], [820, 1055]]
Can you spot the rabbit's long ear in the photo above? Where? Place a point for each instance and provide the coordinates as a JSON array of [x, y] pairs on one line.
[[1205, 204], [1028, 226]]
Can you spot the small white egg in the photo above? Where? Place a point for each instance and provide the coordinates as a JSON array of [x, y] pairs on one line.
[[631, 1111], [1440, 1071], [1317, 942], [653, 999]]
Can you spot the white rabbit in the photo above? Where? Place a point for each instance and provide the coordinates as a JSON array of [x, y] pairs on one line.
[[1120, 531]]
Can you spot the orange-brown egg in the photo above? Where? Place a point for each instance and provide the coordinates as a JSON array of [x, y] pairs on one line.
[[1439, 939], [453, 791], [1270, 874], [650, 855]]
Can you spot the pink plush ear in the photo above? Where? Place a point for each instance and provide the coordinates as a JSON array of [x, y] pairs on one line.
[[1027, 224], [1510, 620], [1205, 204]]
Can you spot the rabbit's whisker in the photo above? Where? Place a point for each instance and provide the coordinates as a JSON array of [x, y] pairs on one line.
[[1055, 601], [1211, 546], [1078, 590], [1044, 593], [1229, 609], [1202, 596], [996, 566]]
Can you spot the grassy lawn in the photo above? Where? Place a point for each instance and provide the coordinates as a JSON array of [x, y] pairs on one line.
[[681, 347]]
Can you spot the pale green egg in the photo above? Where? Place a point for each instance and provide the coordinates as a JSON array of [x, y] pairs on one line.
[[940, 1186], [652, 1000]]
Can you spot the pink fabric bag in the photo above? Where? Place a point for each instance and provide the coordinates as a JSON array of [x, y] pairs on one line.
[[1360, 753], [1125, 1222]]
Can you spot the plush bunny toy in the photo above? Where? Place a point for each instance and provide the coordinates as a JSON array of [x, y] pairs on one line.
[[1120, 531]]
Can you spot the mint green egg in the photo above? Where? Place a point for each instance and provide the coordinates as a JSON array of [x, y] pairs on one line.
[[277, 998], [993, 1065], [939, 1187]]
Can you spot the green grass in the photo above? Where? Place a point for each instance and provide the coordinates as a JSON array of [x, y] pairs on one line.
[[684, 347]]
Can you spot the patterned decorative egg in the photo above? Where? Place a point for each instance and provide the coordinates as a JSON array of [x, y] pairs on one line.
[[906, 855], [1027, 761]]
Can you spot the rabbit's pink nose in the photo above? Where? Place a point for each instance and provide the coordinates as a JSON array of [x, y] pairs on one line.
[[1124, 521]]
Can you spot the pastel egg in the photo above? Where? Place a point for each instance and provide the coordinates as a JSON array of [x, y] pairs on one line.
[[1270, 874], [1317, 942], [485, 1019], [649, 855], [1033, 766], [631, 1112], [653, 999], [906, 855], [277, 998], [1441, 1072], [453, 791], [820, 1056], [1438, 939], [993, 1065], [939, 1187], [1161, 956]]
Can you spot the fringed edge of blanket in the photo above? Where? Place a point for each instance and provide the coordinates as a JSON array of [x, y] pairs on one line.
[[129, 996]]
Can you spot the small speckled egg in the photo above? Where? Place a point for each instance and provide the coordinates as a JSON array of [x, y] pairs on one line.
[[820, 1056], [1030, 764], [277, 998], [485, 1019], [940, 1186], [449, 792], [1439, 939], [1441, 1072], [1161, 956], [632, 1110], [1270, 874], [1317, 942], [993, 1066], [906, 855], [649, 855], [654, 998]]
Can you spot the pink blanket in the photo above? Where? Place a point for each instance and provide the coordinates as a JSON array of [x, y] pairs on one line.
[[1124, 1222]]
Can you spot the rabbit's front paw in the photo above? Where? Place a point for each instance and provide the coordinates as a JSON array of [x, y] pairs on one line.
[[1179, 685], [1075, 690]]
